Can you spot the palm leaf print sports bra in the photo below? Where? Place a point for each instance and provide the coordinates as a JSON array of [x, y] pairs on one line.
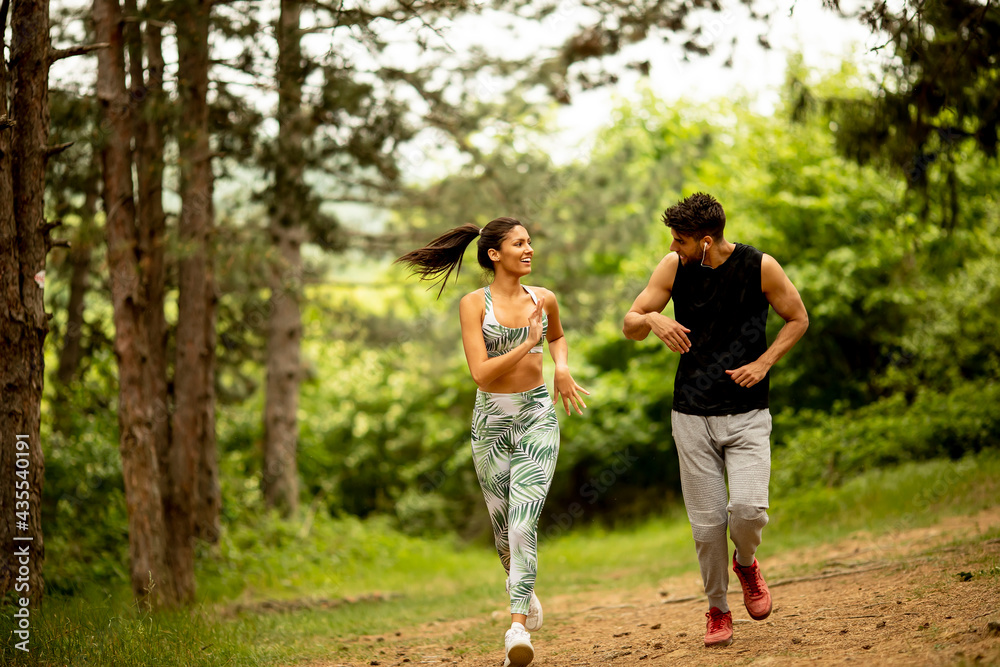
[[500, 339]]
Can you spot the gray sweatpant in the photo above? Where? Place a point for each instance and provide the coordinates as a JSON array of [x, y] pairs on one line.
[[706, 446]]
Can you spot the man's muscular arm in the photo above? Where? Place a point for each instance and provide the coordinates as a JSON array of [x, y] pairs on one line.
[[785, 300], [645, 314]]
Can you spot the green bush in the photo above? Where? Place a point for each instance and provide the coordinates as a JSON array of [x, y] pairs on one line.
[[887, 433]]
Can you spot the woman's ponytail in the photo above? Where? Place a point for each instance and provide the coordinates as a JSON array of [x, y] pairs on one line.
[[442, 255]]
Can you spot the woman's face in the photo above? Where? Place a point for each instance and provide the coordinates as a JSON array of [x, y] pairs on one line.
[[514, 255]]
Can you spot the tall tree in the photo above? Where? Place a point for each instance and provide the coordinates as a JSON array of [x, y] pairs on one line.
[[24, 242], [193, 451], [287, 233], [148, 118], [177, 458], [151, 577]]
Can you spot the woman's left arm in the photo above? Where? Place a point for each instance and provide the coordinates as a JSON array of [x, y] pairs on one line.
[[564, 386]]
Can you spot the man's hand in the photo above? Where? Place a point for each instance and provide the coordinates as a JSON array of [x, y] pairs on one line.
[[670, 331], [749, 375]]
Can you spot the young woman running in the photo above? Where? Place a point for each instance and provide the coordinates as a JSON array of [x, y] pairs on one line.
[[515, 432]]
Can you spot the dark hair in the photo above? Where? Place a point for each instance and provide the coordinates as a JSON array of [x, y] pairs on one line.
[[444, 254], [697, 215]]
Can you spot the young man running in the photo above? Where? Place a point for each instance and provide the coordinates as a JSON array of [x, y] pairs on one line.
[[720, 418]]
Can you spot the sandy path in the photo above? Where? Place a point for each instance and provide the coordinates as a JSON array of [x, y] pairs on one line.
[[895, 600]]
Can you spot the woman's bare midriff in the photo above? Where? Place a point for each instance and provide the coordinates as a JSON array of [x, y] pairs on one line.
[[524, 377]]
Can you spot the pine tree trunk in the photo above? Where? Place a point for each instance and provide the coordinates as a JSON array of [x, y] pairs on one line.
[[208, 510], [11, 317], [147, 120], [153, 229], [146, 88], [151, 579], [23, 323], [194, 370], [284, 331]]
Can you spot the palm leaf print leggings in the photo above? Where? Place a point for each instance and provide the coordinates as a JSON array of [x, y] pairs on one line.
[[515, 442]]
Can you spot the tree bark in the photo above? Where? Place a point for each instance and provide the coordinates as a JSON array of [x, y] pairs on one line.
[[152, 582], [194, 370], [146, 90], [147, 121], [154, 229], [23, 323], [284, 330]]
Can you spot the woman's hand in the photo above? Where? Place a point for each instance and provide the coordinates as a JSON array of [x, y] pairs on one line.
[[535, 330], [567, 388]]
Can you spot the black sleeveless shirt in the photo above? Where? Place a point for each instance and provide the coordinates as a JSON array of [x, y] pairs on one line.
[[726, 312]]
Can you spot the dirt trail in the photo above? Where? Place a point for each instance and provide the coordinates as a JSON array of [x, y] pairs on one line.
[[928, 596]]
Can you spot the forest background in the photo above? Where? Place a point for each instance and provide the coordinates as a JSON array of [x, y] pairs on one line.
[[301, 404]]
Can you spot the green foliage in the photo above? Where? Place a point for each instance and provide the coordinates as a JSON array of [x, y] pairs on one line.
[[887, 500], [942, 87], [85, 521], [384, 421], [933, 106], [890, 431], [951, 338], [891, 300]]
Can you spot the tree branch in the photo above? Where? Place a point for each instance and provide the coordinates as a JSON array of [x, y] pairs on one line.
[[346, 17], [435, 30], [254, 85], [49, 226], [442, 115], [318, 28], [57, 149], [60, 54]]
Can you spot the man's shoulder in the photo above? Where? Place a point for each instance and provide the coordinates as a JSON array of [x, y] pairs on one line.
[[667, 267], [748, 256], [665, 273], [746, 248]]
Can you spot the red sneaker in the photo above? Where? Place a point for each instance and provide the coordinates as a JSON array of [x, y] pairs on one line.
[[719, 629], [756, 597]]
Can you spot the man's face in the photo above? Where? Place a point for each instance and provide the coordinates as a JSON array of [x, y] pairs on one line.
[[686, 247]]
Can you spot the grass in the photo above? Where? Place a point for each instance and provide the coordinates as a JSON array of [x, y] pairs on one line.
[[321, 564], [887, 500]]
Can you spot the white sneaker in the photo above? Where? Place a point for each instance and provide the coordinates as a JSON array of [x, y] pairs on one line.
[[534, 620], [517, 642]]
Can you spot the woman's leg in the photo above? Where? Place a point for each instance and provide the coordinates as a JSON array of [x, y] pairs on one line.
[[532, 465], [491, 444]]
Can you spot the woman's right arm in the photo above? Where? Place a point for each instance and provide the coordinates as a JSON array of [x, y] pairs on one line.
[[485, 369]]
